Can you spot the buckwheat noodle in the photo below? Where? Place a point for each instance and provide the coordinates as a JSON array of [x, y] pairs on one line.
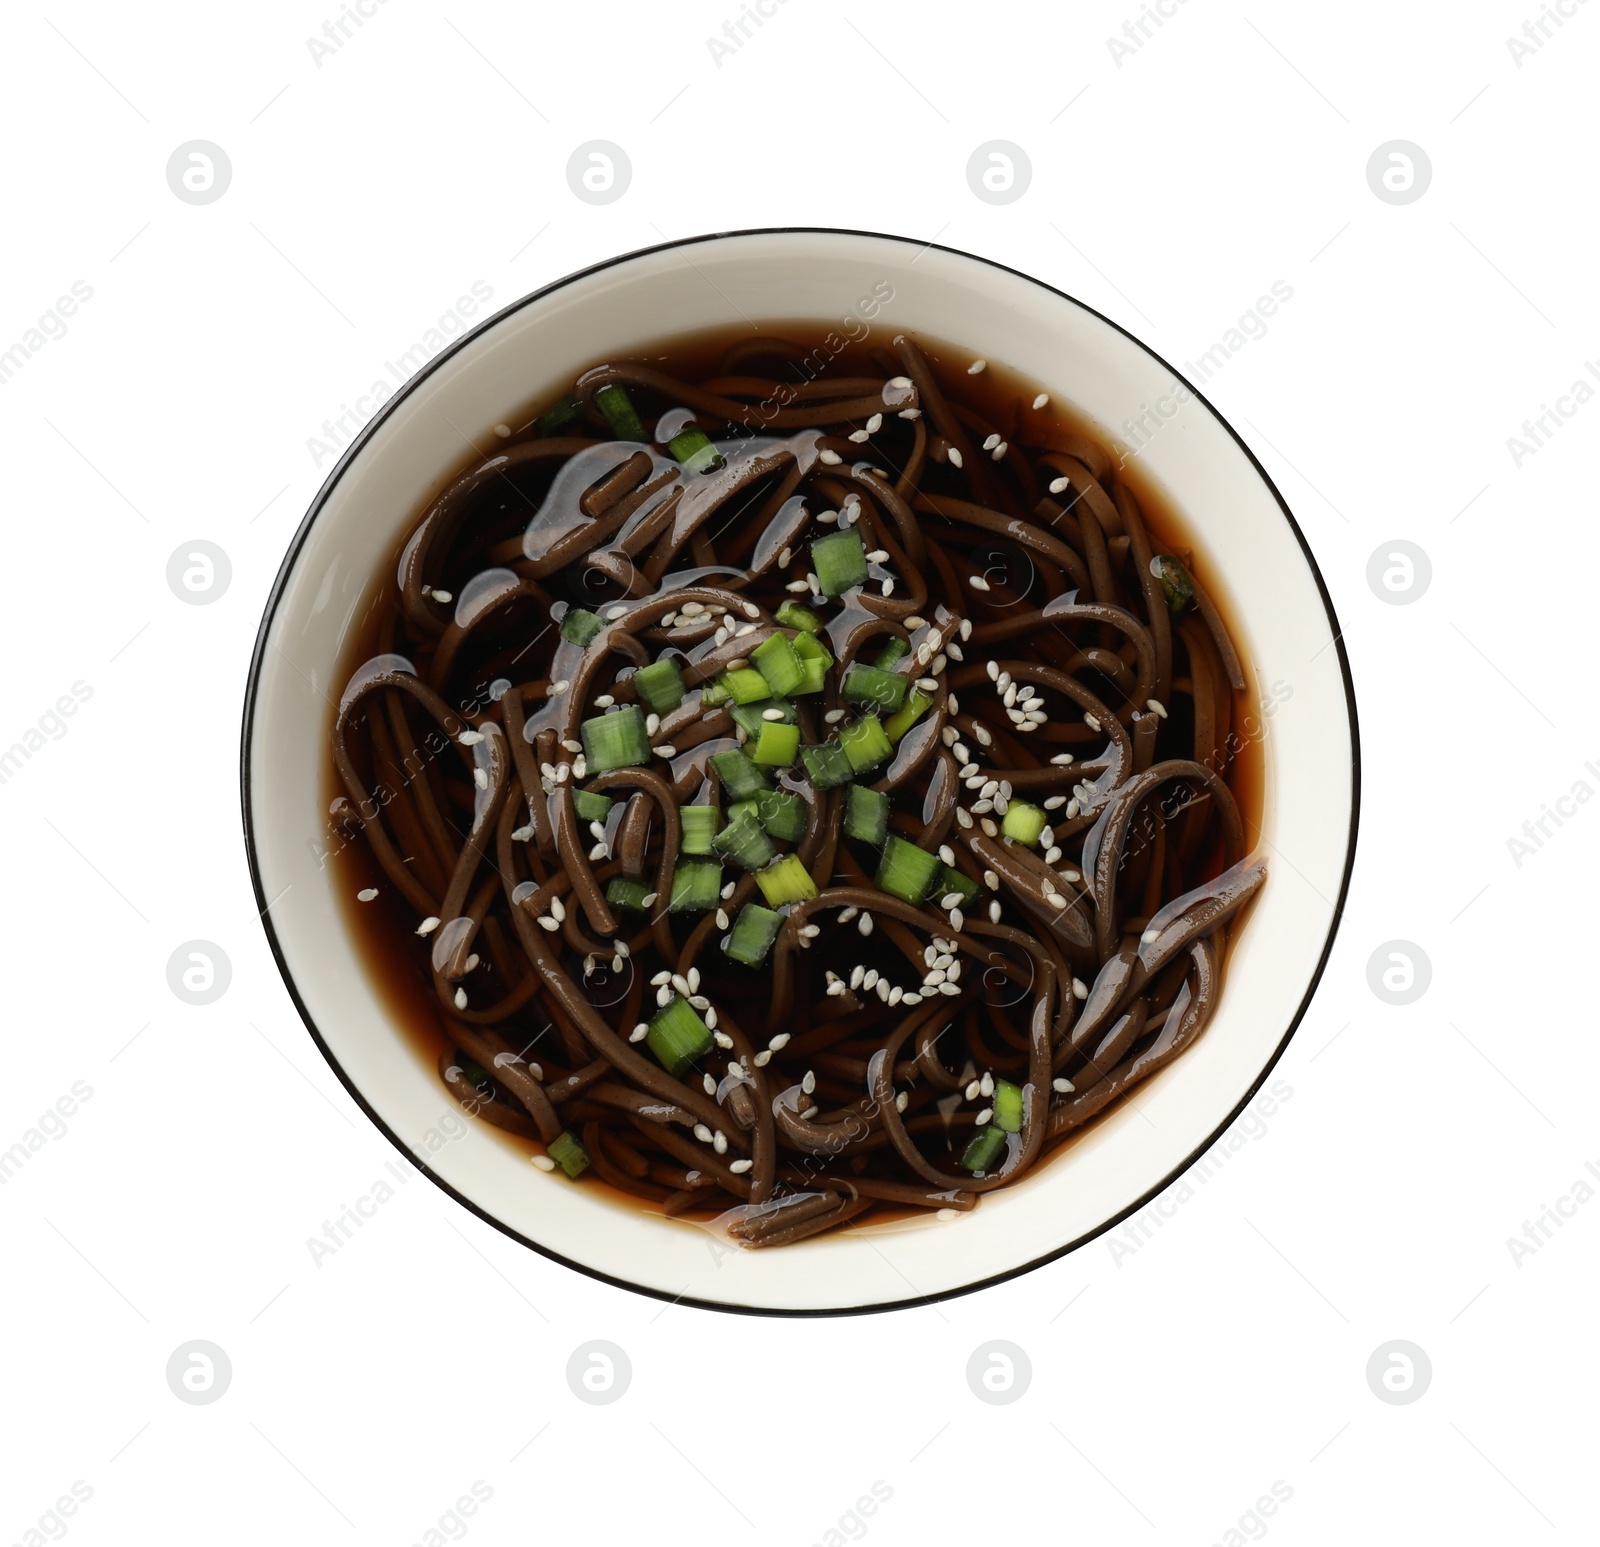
[[1056, 753]]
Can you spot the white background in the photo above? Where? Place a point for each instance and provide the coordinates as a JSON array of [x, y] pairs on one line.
[[1171, 1386]]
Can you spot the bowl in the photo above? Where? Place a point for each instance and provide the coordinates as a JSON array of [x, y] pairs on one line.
[[534, 348]]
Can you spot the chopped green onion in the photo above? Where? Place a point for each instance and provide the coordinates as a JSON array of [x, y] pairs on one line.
[[892, 653], [474, 1071], [696, 886], [738, 775], [579, 626], [746, 686], [873, 688], [952, 880], [916, 705], [1175, 582], [827, 765], [591, 806], [905, 871], [693, 448], [984, 1149], [815, 667], [620, 413], [839, 562], [615, 740], [786, 880], [753, 806], [659, 686], [751, 717], [714, 693], [699, 824], [865, 743], [775, 744], [567, 1153], [792, 615], [775, 659], [783, 814], [1023, 822], [568, 410], [1007, 1106], [809, 648], [753, 933], [623, 893], [677, 1036], [866, 814], [744, 841]]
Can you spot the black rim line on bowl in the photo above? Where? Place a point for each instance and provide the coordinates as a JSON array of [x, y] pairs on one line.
[[258, 655]]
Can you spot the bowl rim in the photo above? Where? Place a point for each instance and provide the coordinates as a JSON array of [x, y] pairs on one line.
[[253, 684]]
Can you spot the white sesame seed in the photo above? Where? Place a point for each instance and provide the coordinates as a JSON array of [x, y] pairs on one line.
[[639, 1032], [699, 1001], [649, 899], [728, 890], [858, 977], [984, 1116], [772, 714], [962, 819], [1080, 989], [1091, 722], [366, 894], [428, 925], [1041, 400], [949, 735], [896, 994], [666, 749], [976, 367], [797, 586], [604, 701], [740, 1166], [978, 583], [702, 1133], [828, 517], [833, 716], [710, 1018], [784, 557], [470, 738], [902, 1101], [993, 668], [927, 684], [557, 688], [461, 999], [1156, 707], [991, 443], [829, 458], [955, 457], [652, 723], [957, 918], [1055, 802], [598, 853], [681, 983], [443, 596], [751, 610], [722, 918], [663, 997], [613, 613], [982, 807], [994, 912], [966, 628], [549, 923], [710, 1083], [660, 978], [989, 829], [865, 924], [543, 1162], [598, 829], [950, 900], [874, 424], [480, 778], [1063, 1085], [762, 1059], [858, 436]]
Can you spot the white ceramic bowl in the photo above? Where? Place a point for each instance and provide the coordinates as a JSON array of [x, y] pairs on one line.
[[536, 347]]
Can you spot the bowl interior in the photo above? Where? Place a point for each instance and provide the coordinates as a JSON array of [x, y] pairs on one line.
[[1284, 626]]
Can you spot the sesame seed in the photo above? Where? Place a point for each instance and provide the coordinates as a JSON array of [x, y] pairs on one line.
[[652, 723], [728, 890], [833, 716], [962, 819], [751, 610], [1041, 400], [762, 1059], [681, 983], [797, 586], [710, 1085], [902, 1101], [950, 900], [366, 894], [461, 999], [722, 918], [784, 557], [989, 829], [428, 925], [702, 1133], [699, 1001], [994, 912], [604, 701], [549, 923], [829, 458], [887, 588], [470, 738], [874, 424], [1080, 989], [809, 1083], [779, 1042], [976, 367], [957, 919], [991, 443], [559, 687], [927, 684], [1156, 707], [613, 613], [865, 924], [949, 735], [666, 749], [443, 596], [598, 853], [1000, 450], [982, 807], [859, 976], [1062, 1085], [984, 1116], [1091, 722], [710, 1019], [1149, 936], [947, 854], [955, 457], [650, 899], [858, 436], [978, 583], [740, 1166], [480, 778], [663, 997], [1060, 485], [543, 1162]]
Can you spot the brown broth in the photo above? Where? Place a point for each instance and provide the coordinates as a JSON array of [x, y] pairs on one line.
[[395, 963]]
